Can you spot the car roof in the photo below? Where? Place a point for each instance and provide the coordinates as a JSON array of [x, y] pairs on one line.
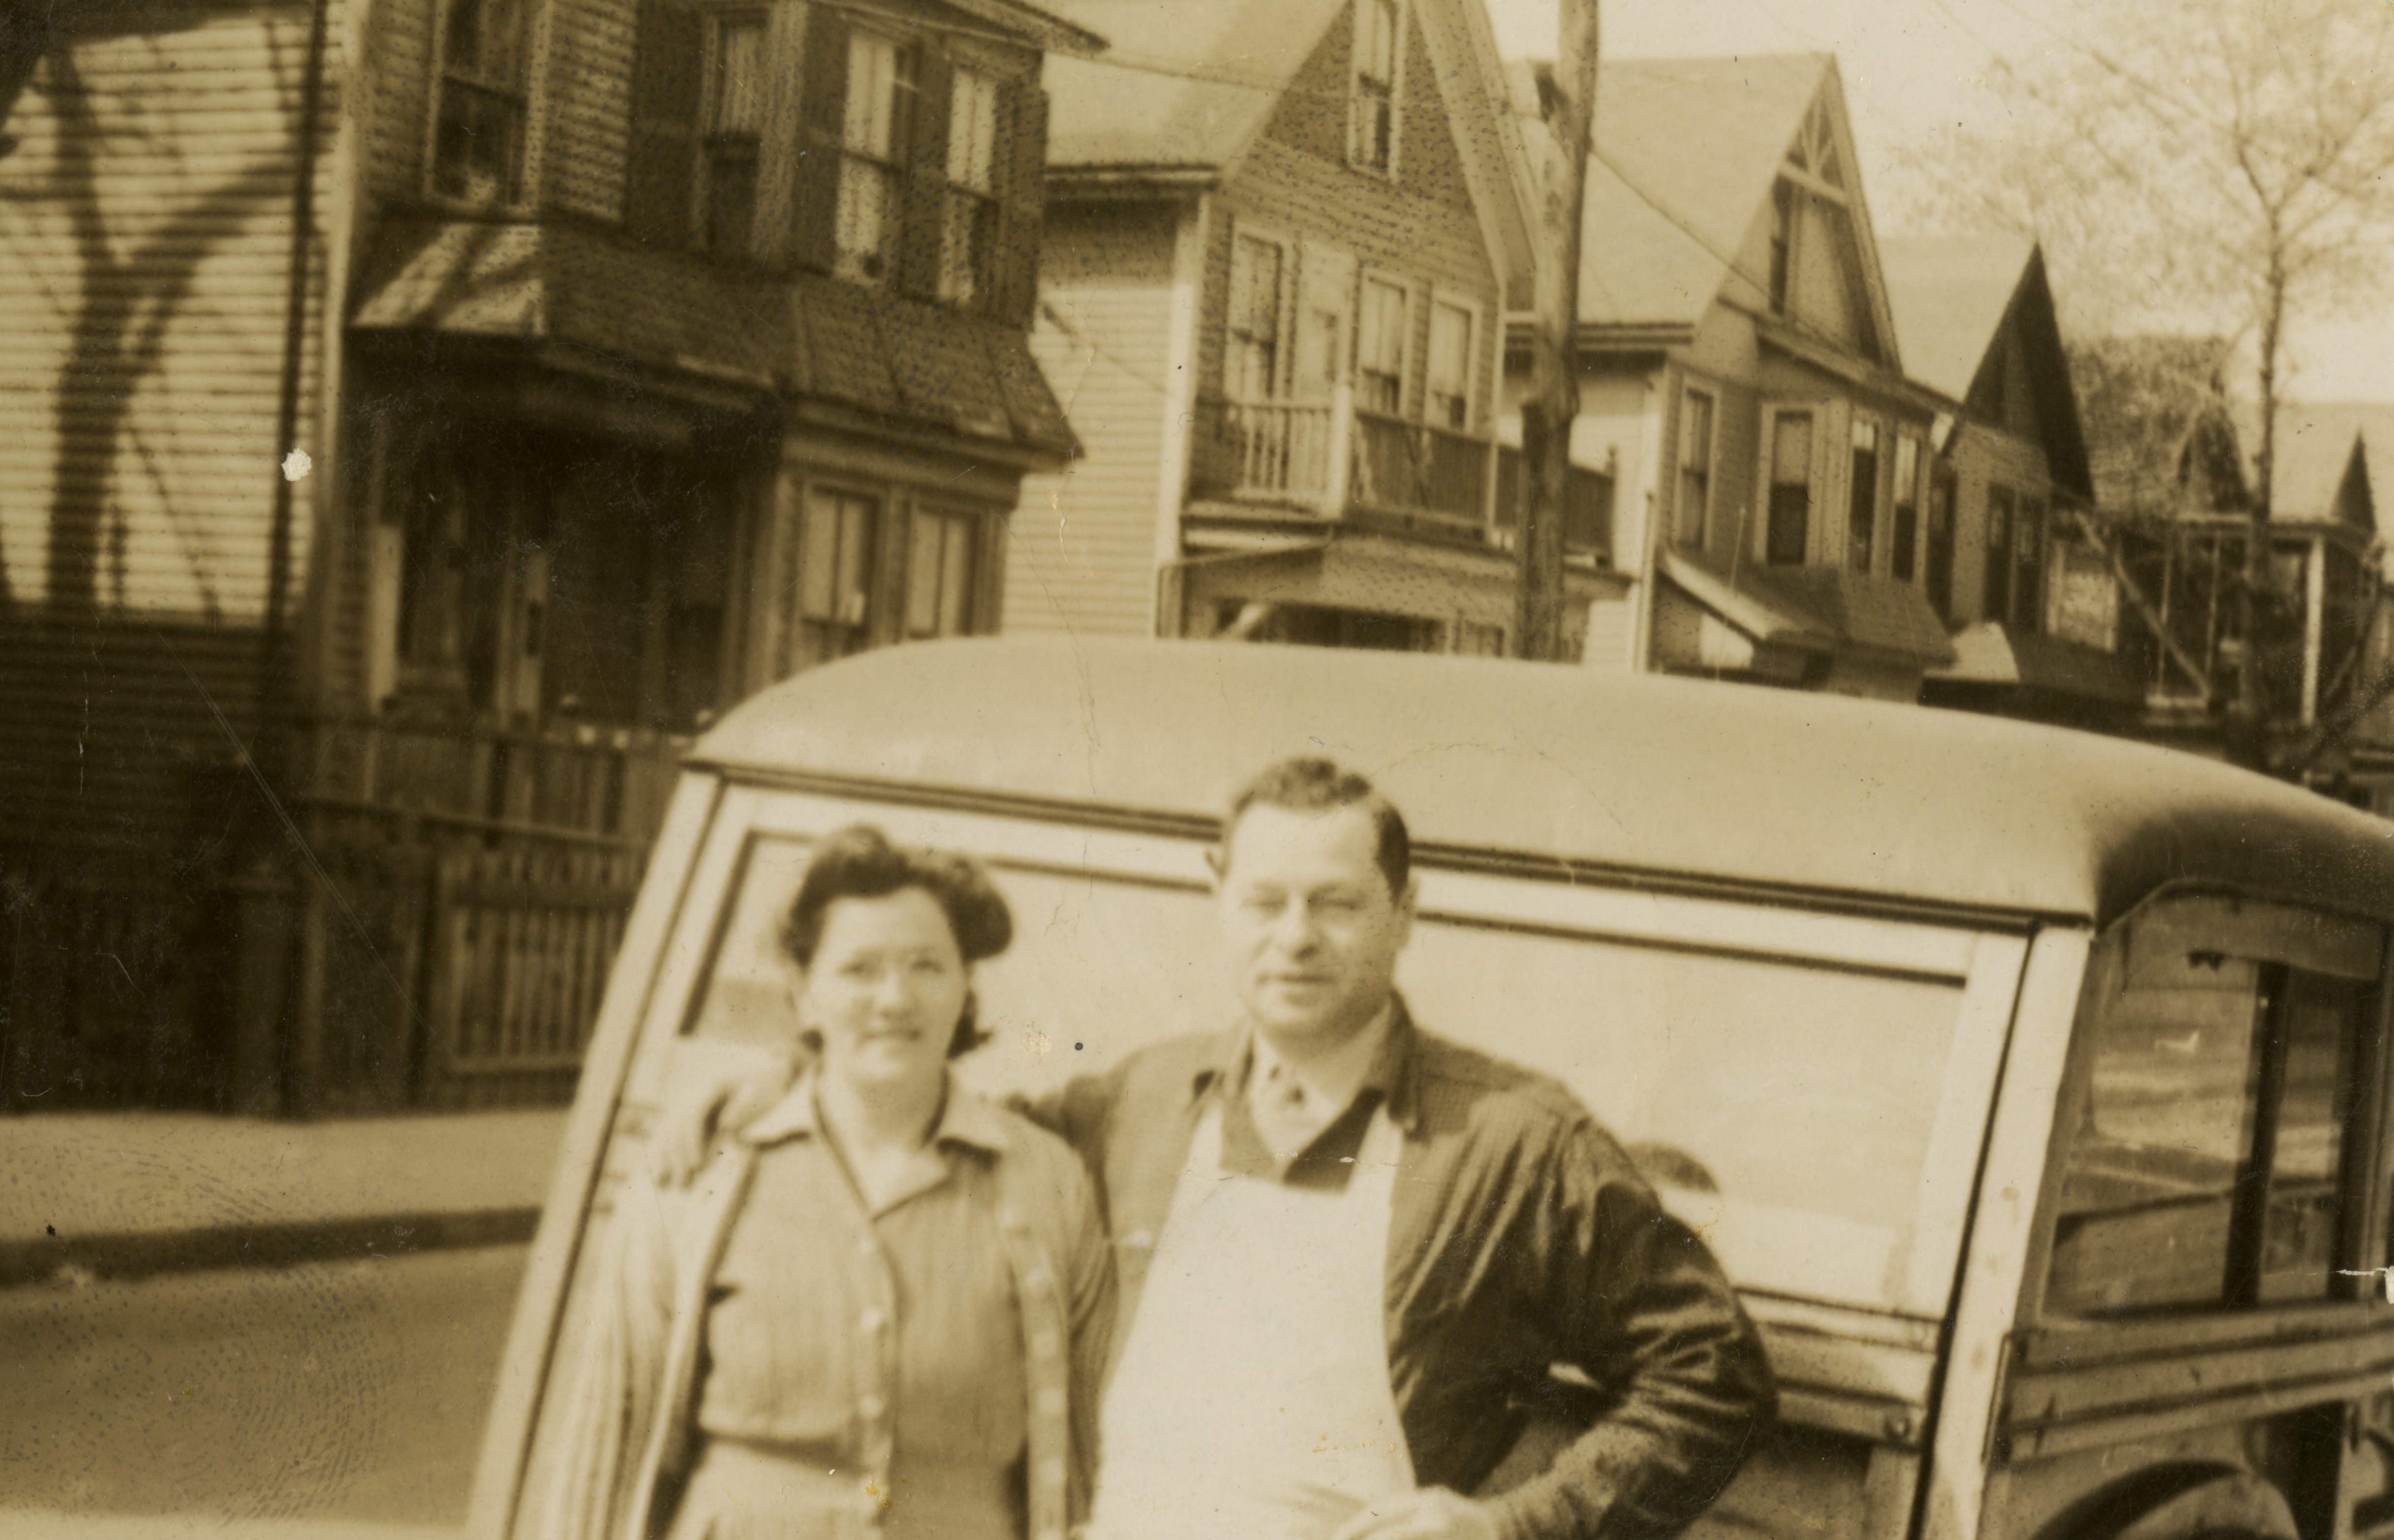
[[1663, 781]]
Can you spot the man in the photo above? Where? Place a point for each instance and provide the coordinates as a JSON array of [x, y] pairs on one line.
[[1352, 1253]]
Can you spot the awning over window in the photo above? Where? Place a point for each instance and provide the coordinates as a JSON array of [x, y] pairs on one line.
[[809, 341], [1991, 654]]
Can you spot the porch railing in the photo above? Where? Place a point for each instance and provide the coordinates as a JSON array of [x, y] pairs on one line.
[[1328, 458]]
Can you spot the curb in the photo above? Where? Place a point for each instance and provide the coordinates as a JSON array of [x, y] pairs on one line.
[[147, 1254]]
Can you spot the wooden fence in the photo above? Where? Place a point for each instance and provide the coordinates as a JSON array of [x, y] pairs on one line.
[[454, 974], [97, 1008]]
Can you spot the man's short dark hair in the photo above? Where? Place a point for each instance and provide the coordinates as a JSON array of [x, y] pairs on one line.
[[1310, 784]]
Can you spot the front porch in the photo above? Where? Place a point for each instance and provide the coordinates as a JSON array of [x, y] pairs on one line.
[[1330, 461]]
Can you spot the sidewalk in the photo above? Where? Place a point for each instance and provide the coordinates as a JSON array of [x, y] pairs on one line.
[[121, 1194]]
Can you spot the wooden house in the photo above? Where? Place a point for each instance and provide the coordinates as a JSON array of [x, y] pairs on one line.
[[414, 418], [1740, 377], [2018, 569], [2174, 477], [1281, 236]]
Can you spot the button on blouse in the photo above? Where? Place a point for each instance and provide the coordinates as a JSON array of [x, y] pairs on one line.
[[889, 1344]]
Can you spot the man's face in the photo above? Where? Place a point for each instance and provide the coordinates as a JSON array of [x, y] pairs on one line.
[[1311, 929]]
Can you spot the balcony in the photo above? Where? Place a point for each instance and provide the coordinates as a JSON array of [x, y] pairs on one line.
[[1333, 460]]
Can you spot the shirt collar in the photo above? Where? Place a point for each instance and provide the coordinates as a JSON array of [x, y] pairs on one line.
[[964, 1119], [1355, 1067], [1392, 1072]]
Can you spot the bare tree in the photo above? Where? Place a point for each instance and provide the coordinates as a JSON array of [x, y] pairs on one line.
[[2216, 166]]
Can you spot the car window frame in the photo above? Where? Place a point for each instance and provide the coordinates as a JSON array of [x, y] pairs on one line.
[[2048, 1337]]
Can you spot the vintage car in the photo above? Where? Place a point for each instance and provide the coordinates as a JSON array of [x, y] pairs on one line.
[[2031, 1086]]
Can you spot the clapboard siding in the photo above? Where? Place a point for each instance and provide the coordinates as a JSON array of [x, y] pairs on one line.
[[1081, 546], [114, 725], [590, 105], [144, 284]]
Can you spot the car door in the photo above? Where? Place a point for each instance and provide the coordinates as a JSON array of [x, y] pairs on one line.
[[2205, 1331]]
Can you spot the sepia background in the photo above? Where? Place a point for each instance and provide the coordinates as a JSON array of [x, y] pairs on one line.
[[421, 420]]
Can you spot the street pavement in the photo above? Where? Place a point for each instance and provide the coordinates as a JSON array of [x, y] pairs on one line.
[[353, 1389], [127, 1194]]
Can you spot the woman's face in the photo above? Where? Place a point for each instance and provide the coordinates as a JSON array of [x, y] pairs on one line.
[[887, 987]]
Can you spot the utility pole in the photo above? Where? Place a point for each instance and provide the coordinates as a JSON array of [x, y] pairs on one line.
[[1568, 99]]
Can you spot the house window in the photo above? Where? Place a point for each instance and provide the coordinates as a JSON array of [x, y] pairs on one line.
[[1380, 348], [735, 116], [940, 574], [880, 109], [1783, 243], [2028, 566], [1862, 517], [1372, 126], [1450, 366], [1475, 640], [1943, 493], [834, 577], [968, 229], [1695, 468], [477, 138], [1995, 603], [1788, 531], [1903, 546], [1254, 361]]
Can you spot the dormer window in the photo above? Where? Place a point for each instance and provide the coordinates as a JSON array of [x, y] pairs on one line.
[[1372, 121], [478, 133]]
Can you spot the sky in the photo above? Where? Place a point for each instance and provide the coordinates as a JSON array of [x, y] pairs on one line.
[[1908, 64]]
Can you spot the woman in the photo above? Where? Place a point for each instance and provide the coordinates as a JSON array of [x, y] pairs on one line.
[[881, 1308]]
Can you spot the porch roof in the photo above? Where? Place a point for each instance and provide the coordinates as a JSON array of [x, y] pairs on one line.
[[796, 337], [1817, 608], [1993, 653]]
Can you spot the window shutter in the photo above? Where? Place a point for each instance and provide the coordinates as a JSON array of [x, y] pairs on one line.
[[1022, 153], [822, 111], [926, 154], [660, 160]]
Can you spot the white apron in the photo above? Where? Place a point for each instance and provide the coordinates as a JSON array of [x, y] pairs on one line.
[[1252, 1397]]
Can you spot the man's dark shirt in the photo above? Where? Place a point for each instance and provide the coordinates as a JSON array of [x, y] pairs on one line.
[[1521, 1238]]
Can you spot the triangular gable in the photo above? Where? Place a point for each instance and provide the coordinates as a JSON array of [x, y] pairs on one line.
[[2322, 463], [1686, 153], [1188, 90], [1975, 317], [1681, 189], [1839, 289]]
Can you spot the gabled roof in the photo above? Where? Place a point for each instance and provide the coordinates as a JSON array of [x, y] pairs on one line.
[[1953, 296], [2322, 473], [1686, 151], [1183, 86], [1185, 91]]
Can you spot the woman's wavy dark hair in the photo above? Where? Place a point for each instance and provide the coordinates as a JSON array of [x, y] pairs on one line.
[[861, 862]]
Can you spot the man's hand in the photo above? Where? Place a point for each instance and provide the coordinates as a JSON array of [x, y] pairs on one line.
[[1424, 1513], [729, 1093]]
